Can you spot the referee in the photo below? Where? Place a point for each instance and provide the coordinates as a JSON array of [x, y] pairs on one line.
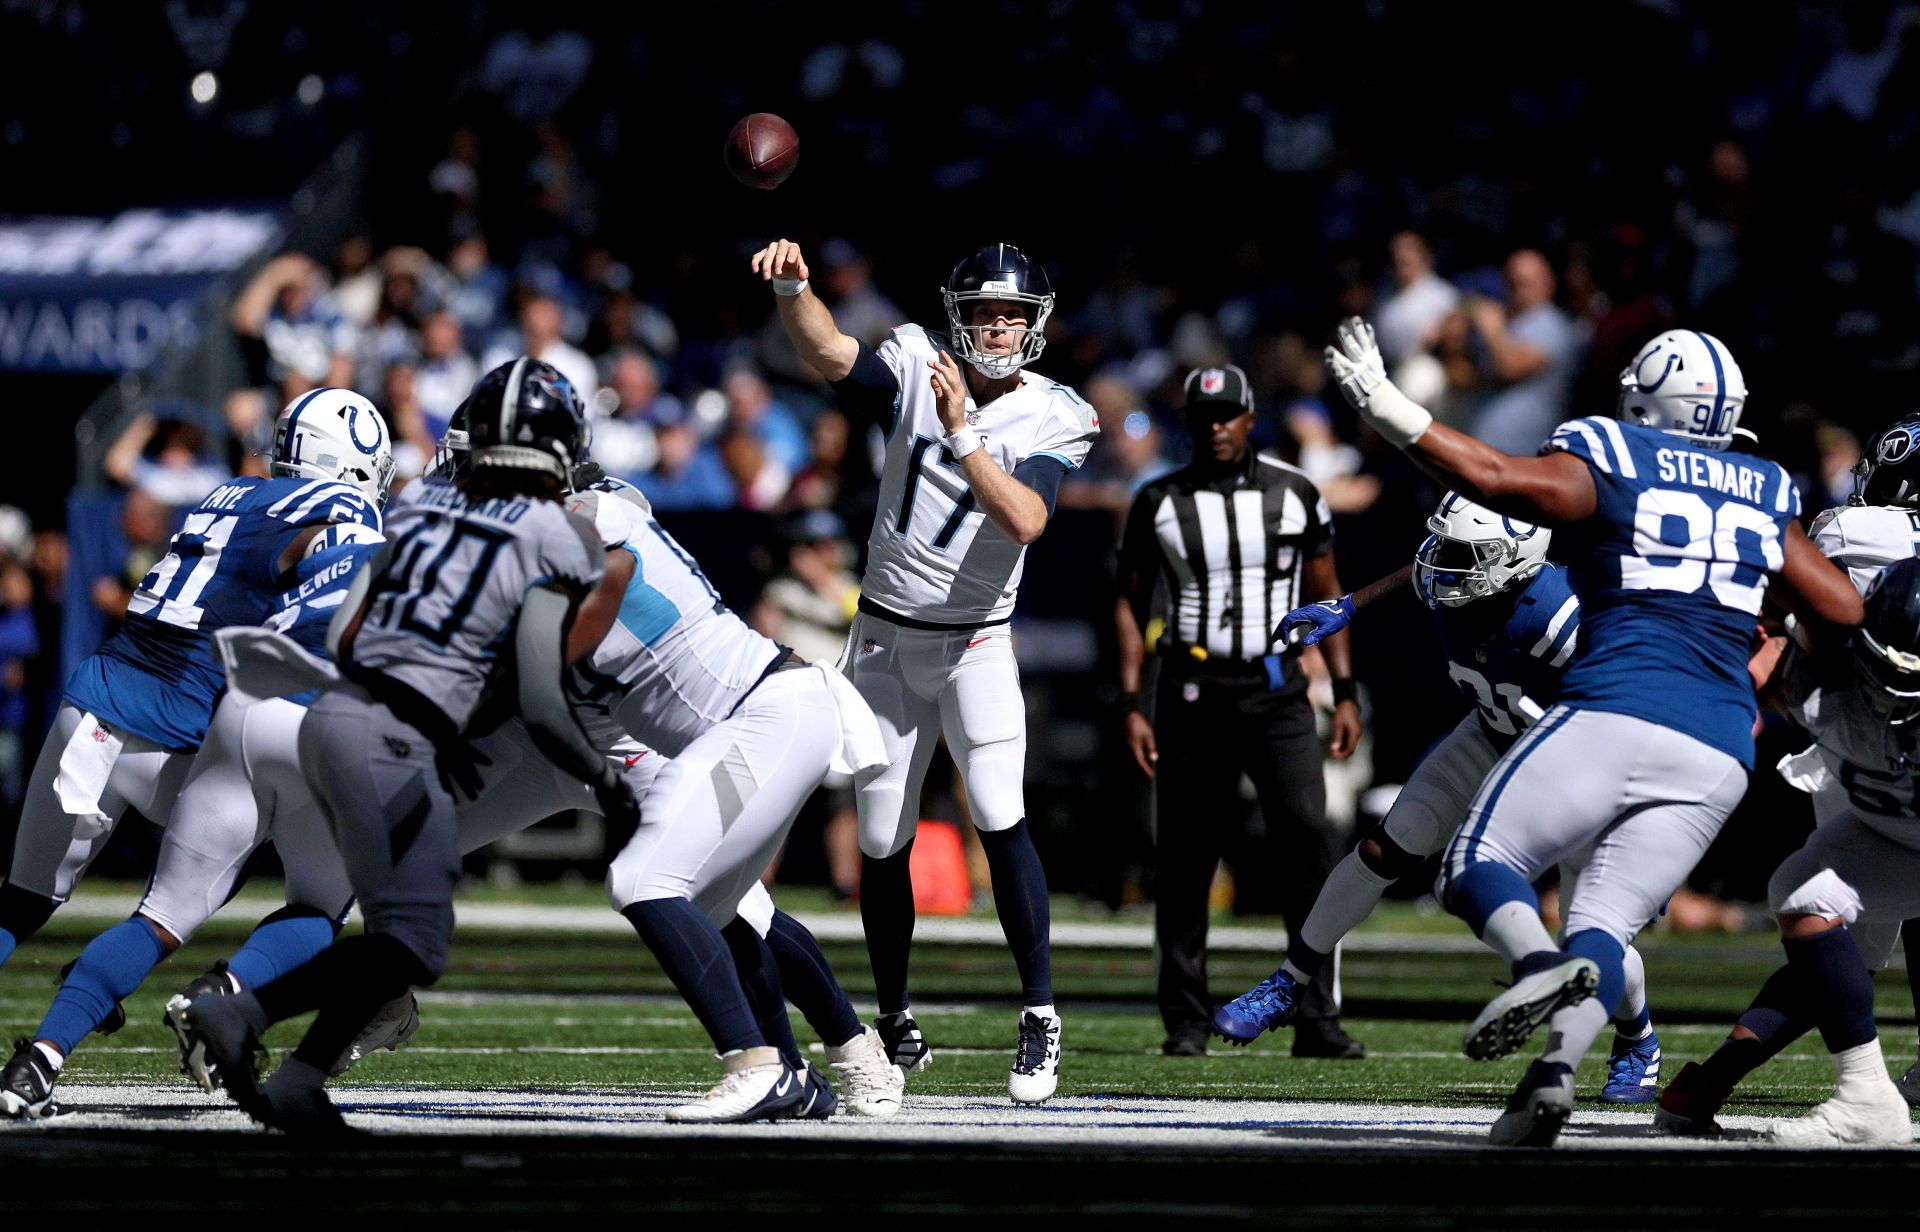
[[1238, 538]]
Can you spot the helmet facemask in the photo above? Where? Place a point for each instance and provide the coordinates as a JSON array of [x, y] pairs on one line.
[[1451, 572], [1889, 679], [968, 338]]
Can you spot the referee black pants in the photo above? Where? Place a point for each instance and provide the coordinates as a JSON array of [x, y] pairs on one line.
[[1211, 727]]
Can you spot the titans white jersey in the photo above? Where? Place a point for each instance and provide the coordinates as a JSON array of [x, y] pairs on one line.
[[1869, 759], [1865, 539], [677, 660], [933, 556], [442, 608]]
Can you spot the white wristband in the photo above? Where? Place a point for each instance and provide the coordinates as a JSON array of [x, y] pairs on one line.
[[1398, 418], [789, 287], [962, 443]]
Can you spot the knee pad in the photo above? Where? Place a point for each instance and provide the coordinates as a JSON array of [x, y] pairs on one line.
[[22, 912], [1823, 894], [1384, 857]]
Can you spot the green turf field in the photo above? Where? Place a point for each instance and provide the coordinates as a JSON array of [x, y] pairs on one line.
[[553, 1009]]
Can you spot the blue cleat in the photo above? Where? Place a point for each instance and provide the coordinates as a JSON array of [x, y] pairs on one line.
[[1270, 1004], [1633, 1073]]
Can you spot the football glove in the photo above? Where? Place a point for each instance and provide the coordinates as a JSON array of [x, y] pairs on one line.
[[1312, 624]]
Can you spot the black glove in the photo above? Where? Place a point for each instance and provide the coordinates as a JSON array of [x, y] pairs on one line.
[[617, 801], [586, 475], [459, 768]]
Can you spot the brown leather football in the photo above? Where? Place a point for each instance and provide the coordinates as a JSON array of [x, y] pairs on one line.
[[762, 150]]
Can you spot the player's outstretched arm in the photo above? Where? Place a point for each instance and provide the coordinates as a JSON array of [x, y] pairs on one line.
[[601, 608], [808, 322], [1310, 624], [1011, 505], [1814, 590], [1554, 489]]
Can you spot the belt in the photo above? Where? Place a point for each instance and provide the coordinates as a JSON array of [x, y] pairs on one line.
[[907, 622], [1186, 658], [785, 661]]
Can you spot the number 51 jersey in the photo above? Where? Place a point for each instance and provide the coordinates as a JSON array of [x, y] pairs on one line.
[[158, 677], [933, 556], [1670, 571]]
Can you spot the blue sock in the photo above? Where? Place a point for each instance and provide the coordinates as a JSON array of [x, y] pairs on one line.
[[694, 956], [109, 970], [1483, 889], [21, 915], [284, 940], [1020, 898], [810, 983], [1607, 954], [1842, 986], [760, 978], [1636, 1026]]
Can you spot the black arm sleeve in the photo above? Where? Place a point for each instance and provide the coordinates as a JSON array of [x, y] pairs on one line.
[[540, 649], [1043, 475], [870, 389]]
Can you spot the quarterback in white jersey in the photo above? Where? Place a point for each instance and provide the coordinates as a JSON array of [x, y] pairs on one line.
[[976, 448]]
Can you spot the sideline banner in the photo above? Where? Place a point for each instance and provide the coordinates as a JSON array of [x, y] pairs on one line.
[[108, 295]]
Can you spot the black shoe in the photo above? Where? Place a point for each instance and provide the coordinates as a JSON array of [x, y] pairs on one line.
[[26, 1085], [116, 1017], [905, 1045], [300, 1111], [1323, 1039], [1185, 1042], [219, 1048]]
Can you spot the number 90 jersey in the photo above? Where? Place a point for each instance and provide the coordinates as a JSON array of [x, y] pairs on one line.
[[1670, 571], [158, 676], [444, 605], [933, 556]]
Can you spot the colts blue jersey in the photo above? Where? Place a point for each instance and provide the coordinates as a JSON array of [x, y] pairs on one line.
[[321, 583], [159, 677], [1670, 571], [1511, 673]]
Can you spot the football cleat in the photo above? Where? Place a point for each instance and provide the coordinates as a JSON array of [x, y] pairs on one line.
[[26, 1084], [1908, 1084], [1875, 1116], [1511, 1018], [1036, 1060], [1271, 1003], [299, 1109], [1687, 1107], [1185, 1042], [1539, 1107], [901, 1034], [116, 1017], [216, 981], [1633, 1071], [821, 1101], [392, 1026], [758, 1086], [219, 1048], [873, 1084]]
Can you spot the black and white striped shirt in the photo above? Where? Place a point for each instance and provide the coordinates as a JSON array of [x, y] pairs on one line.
[[1231, 548]]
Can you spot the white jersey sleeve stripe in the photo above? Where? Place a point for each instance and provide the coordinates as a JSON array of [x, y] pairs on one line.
[[1596, 450], [1559, 621], [1612, 429]]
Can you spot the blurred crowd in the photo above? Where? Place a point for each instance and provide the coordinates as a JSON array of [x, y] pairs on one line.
[[1207, 183]]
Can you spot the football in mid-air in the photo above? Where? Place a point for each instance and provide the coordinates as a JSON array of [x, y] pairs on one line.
[[762, 150]]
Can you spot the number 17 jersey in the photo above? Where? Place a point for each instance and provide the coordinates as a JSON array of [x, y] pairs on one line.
[[933, 555], [1670, 571]]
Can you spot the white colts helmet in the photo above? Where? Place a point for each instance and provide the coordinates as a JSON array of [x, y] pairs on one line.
[[1474, 552], [334, 434], [1685, 384]]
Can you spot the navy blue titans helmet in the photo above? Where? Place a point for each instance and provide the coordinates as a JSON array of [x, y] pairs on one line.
[[524, 415], [1888, 472], [998, 272]]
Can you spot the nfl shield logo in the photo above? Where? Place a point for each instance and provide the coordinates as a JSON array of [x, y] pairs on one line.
[[1190, 691], [1212, 381]]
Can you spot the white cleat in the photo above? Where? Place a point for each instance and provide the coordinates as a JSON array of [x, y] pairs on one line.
[[1036, 1059], [871, 1085], [758, 1087], [393, 1026], [1908, 1084], [1511, 1018], [1876, 1116]]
